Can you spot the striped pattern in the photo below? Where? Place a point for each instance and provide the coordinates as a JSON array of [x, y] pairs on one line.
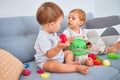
[[10, 66]]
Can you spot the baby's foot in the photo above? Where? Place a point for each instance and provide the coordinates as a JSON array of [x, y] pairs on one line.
[[83, 69], [118, 44], [114, 48], [89, 62]]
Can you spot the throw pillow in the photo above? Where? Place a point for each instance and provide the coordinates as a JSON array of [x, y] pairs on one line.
[[10, 66], [104, 36], [102, 22]]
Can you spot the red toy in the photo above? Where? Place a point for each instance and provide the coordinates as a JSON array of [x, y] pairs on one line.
[[63, 38], [97, 62], [40, 71], [93, 56], [26, 72]]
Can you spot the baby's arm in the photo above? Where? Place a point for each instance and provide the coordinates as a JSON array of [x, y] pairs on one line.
[[54, 51]]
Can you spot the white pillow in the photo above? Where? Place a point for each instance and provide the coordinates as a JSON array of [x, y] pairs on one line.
[[104, 36]]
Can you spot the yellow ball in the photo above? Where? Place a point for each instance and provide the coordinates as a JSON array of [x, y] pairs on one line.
[[106, 63]]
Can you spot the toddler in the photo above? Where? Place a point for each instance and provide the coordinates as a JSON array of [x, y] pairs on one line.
[[49, 49], [76, 20]]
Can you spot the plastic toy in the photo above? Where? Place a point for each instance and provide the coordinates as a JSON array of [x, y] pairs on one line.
[[40, 71], [97, 62], [26, 72], [63, 38], [45, 75], [106, 63], [93, 56], [99, 58], [113, 56], [26, 65], [78, 47]]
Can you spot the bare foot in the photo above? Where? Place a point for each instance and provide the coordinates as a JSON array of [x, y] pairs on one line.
[[83, 69], [89, 62], [118, 44], [114, 48]]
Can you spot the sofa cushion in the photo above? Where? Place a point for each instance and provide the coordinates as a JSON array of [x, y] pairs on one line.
[[104, 36], [114, 62], [102, 22], [10, 66]]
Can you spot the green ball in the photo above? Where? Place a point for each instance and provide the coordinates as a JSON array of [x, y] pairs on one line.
[[78, 47]]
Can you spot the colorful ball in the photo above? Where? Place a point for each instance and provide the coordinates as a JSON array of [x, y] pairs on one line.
[[106, 63]]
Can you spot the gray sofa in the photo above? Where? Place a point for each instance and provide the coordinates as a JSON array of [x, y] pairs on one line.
[[18, 34]]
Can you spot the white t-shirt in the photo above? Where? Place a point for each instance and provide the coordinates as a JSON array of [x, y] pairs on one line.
[[70, 33], [45, 42]]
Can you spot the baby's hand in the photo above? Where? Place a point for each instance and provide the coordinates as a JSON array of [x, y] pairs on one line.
[[71, 39], [63, 45], [88, 44]]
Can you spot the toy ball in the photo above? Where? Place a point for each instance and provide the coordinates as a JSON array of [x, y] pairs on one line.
[[26, 65], [26, 72], [63, 38], [45, 75], [106, 63], [40, 71], [113, 56], [78, 47]]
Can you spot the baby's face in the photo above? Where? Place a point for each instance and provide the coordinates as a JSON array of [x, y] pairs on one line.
[[73, 20], [57, 24]]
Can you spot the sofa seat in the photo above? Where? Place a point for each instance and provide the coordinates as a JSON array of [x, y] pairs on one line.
[[95, 73], [114, 62]]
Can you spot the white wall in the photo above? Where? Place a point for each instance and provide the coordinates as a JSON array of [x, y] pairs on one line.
[[10, 8], [107, 7]]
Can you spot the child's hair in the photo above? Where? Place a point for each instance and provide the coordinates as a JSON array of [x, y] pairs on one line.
[[81, 13], [48, 12]]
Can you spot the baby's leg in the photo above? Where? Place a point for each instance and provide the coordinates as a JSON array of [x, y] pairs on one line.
[[54, 66], [69, 57], [114, 48]]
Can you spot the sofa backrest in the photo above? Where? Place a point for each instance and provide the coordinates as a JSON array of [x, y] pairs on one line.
[[18, 35]]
